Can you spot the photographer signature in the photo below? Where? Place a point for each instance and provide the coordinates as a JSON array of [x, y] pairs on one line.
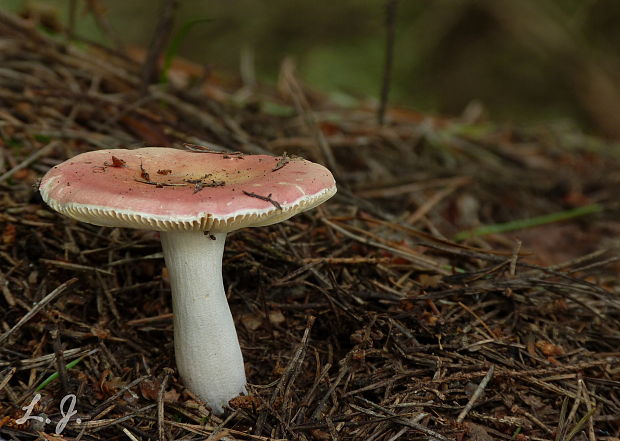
[[66, 413]]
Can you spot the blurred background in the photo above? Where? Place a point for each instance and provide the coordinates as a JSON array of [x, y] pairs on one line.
[[514, 61]]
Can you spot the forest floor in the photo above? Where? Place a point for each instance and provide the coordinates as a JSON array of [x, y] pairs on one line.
[[387, 313]]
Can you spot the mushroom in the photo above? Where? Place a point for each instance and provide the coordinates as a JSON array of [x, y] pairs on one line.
[[193, 199]]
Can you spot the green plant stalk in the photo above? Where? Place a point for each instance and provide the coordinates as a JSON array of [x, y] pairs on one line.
[[175, 44], [528, 223], [52, 377], [516, 432]]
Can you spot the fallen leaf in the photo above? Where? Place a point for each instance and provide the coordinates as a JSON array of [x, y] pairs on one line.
[[116, 162], [149, 389], [109, 384]]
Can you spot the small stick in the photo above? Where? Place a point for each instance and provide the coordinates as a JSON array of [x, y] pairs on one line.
[[96, 10], [6, 292], [29, 160], [282, 161], [476, 394], [143, 173], [43, 360], [160, 37], [413, 423], [420, 260], [344, 368], [425, 208], [159, 184], [219, 432], [390, 22], [60, 359], [347, 260], [309, 117], [247, 68], [38, 307], [129, 434], [290, 374], [160, 405], [205, 149], [71, 18], [97, 410], [199, 184], [514, 258], [586, 396], [75, 266], [332, 428], [472, 312], [399, 434], [573, 411], [157, 318], [263, 198], [535, 420], [7, 377]]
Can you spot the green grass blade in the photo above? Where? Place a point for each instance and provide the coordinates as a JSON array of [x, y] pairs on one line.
[[531, 222], [175, 44], [52, 377]]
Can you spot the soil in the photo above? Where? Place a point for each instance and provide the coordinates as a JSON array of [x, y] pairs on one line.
[[362, 319]]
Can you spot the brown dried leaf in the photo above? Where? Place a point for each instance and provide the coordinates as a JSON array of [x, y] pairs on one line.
[[117, 162], [149, 389], [109, 384]]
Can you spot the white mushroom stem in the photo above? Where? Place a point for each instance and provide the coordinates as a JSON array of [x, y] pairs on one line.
[[205, 340]]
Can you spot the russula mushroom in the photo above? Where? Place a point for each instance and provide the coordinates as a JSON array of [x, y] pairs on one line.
[[193, 199]]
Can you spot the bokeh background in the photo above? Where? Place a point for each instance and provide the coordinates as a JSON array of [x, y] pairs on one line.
[[521, 61]]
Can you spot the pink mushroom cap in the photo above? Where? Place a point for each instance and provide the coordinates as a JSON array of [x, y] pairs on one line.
[[167, 189]]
